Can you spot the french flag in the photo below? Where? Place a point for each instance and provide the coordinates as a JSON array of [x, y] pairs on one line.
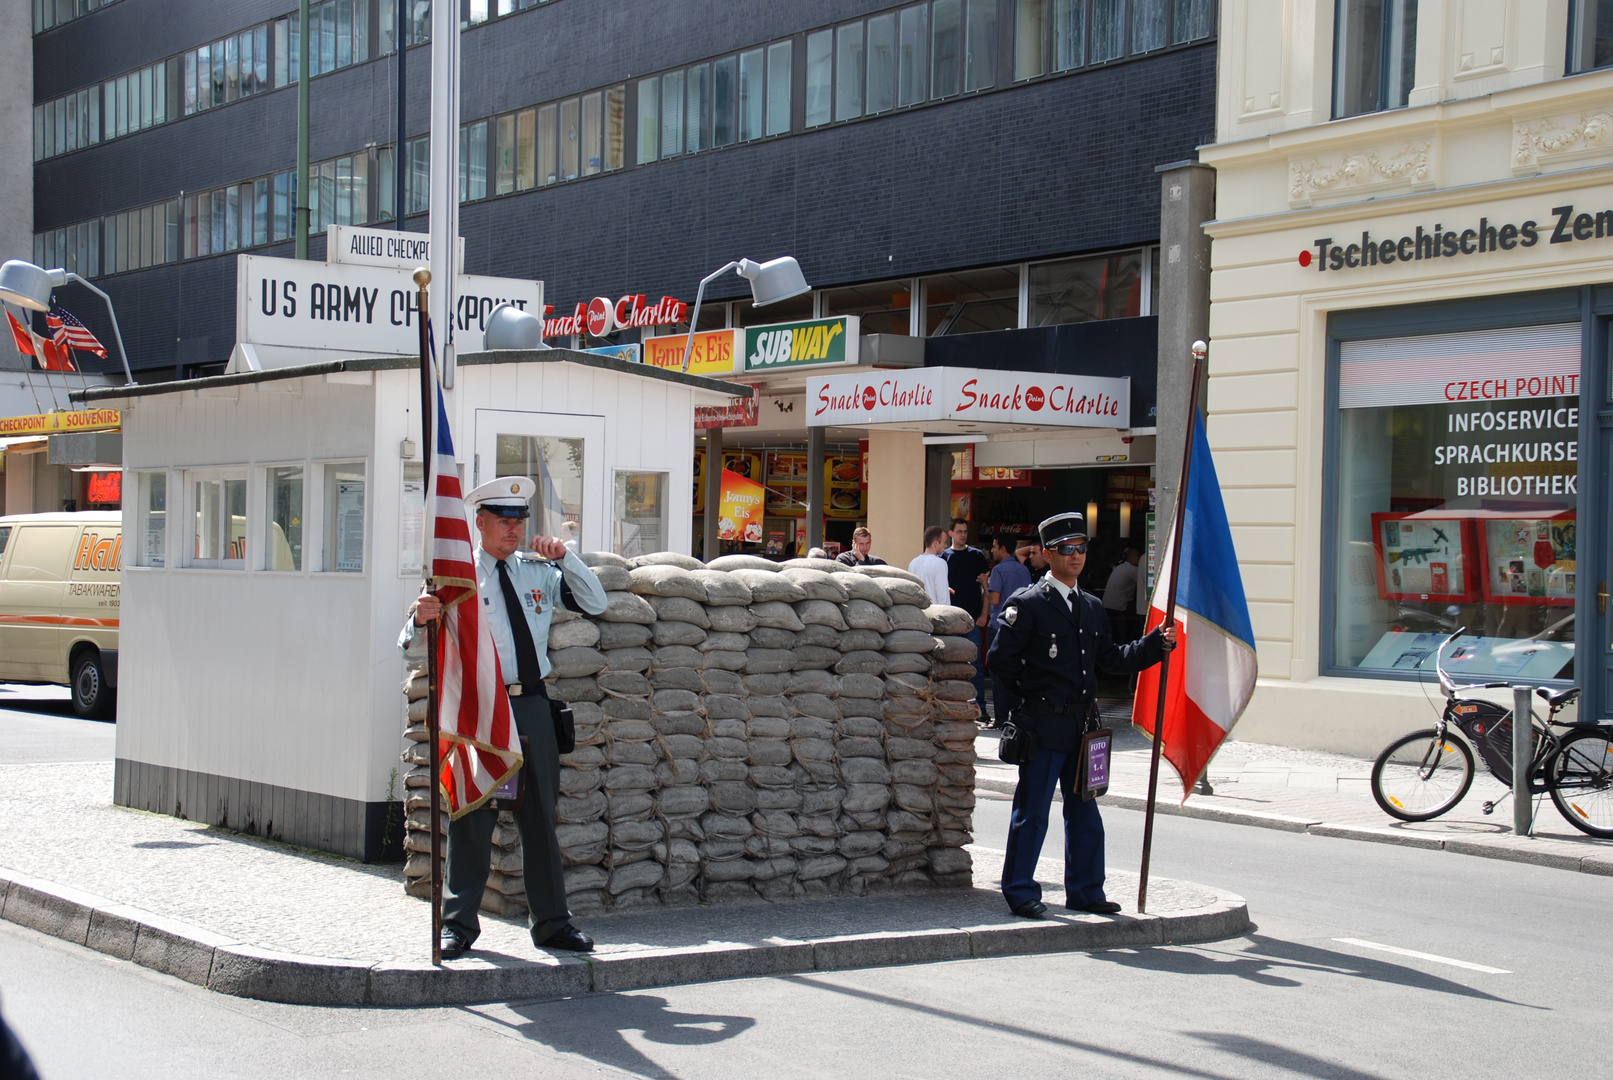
[[1212, 671]]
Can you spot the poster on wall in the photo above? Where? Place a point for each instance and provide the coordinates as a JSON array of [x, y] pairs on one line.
[[1423, 558], [741, 509], [842, 486], [1530, 561]]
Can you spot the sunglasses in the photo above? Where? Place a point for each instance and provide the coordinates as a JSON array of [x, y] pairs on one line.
[[1071, 549]]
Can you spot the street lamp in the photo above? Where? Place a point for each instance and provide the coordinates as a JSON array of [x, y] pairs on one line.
[[771, 281], [508, 327], [29, 286]]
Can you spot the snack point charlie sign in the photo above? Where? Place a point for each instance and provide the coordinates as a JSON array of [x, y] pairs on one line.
[[953, 399]]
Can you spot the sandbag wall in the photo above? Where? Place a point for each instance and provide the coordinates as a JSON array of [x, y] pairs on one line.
[[746, 730]]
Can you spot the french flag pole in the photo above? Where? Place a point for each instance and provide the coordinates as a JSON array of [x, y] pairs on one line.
[[1201, 695]]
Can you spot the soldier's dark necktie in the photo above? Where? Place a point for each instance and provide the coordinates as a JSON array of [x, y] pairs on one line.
[[526, 653]]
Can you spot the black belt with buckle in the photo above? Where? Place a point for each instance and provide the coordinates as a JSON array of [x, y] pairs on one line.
[[1042, 705], [514, 689]]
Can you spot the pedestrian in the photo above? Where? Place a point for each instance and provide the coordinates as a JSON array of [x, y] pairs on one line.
[[817, 553], [1008, 576], [967, 571], [930, 568], [534, 585], [1120, 596], [1052, 639], [861, 541]]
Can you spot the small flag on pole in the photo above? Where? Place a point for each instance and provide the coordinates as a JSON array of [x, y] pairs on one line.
[[23, 337], [479, 745], [48, 355], [1212, 673], [68, 332]]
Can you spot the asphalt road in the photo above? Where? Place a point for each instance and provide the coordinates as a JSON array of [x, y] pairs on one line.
[[1508, 987]]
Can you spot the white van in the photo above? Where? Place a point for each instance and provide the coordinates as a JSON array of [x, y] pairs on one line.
[[59, 585]]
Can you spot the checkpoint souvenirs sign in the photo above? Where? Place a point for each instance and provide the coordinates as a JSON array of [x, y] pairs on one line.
[[57, 423], [741, 509], [715, 352], [949, 399], [356, 310], [812, 343]]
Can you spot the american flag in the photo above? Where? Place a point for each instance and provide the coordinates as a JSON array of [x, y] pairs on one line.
[[67, 332], [478, 742]]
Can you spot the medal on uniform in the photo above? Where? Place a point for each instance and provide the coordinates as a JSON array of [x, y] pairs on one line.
[[537, 601], [1053, 648]]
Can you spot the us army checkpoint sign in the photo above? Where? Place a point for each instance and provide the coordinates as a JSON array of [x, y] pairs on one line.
[[288, 306]]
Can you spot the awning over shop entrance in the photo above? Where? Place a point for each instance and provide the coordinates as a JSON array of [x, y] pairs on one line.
[[968, 401]]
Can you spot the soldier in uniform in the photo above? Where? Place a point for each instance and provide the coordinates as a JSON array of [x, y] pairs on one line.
[[535, 583], [1052, 637]]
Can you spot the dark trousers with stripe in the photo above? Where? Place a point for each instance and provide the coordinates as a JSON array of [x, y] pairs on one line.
[[1027, 828], [470, 839]]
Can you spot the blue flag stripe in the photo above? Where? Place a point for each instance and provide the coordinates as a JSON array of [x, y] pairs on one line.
[[1209, 584]]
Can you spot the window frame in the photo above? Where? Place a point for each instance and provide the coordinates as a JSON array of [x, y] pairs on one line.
[[192, 512]]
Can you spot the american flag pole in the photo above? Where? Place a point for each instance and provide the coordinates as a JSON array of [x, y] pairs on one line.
[[422, 278]]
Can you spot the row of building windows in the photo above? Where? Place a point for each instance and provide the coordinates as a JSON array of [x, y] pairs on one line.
[[49, 13], [117, 107]]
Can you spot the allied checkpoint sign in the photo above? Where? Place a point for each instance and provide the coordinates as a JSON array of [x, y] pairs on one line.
[[954, 399], [291, 310]]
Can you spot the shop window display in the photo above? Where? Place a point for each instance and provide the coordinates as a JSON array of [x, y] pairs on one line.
[[1457, 502]]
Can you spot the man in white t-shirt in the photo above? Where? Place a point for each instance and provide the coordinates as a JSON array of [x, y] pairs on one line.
[[930, 568]]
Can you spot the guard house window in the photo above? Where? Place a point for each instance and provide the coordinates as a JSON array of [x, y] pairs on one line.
[[344, 517], [151, 519], [640, 525], [555, 465], [1455, 514], [218, 503], [1374, 55], [283, 541], [1590, 35]]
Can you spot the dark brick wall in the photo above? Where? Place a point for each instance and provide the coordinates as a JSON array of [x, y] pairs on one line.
[[1060, 166]]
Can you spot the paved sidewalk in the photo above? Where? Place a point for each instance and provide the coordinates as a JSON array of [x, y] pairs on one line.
[[260, 919], [1323, 793]]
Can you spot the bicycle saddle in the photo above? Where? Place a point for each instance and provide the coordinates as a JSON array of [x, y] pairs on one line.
[[1554, 698]]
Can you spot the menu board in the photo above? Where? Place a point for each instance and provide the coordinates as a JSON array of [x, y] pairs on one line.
[[1530, 560], [1423, 558], [787, 484], [842, 486]]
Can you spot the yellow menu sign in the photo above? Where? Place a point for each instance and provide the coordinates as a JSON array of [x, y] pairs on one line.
[[58, 423]]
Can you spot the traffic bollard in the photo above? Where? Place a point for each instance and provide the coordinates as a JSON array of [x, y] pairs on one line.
[[1523, 753]]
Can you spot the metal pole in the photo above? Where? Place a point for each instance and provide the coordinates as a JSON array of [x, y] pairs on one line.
[[1523, 756], [1199, 351], [302, 129], [694, 313], [815, 487], [712, 546], [128, 376], [399, 186], [422, 278]]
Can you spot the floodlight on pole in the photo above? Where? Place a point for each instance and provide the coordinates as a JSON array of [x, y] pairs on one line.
[[771, 281], [508, 327], [29, 286]]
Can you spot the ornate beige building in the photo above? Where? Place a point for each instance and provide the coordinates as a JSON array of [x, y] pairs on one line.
[[1412, 278]]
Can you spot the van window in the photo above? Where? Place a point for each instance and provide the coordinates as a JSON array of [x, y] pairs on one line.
[[99, 552], [5, 534], [41, 552]]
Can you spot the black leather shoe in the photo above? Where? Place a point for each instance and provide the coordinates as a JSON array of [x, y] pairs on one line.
[[568, 937], [1031, 909], [453, 944], [1101, 907]]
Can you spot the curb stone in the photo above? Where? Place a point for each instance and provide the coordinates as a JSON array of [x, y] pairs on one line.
[[1600, 863], [232, 967]]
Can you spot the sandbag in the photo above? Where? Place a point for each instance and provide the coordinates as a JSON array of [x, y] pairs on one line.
[[664, 580], [723, 589], [666, 558], [680, 609]]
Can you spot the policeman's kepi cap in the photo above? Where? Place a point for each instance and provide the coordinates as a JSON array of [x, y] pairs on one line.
[[505, 497], [1062, 527]]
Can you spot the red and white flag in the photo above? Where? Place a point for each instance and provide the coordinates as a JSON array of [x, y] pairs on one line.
[[478, 743], [45, 352]]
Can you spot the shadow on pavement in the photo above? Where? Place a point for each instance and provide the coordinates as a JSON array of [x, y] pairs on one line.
[[1270, 956], [594, 1028], [1268, 1053], [44, 707]]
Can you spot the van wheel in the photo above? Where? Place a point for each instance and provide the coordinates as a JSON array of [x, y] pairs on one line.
[[93, 699]]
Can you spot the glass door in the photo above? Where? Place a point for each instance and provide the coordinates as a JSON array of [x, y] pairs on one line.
[[561, 453]]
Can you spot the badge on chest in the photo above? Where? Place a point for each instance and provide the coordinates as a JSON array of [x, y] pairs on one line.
[[1053, 647]]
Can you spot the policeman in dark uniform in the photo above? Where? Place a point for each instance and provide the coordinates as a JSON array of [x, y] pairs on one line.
[[1051, 640]]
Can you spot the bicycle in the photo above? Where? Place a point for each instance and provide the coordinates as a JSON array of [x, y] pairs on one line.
[[1422, 775]]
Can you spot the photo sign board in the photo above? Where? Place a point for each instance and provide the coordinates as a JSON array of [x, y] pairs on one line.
[[293, 304], [926, 398]]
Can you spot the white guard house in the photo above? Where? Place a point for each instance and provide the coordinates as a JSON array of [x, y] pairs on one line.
[[275, 520]]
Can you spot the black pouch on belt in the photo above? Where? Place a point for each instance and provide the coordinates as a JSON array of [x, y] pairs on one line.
[[1018, 743], [565, 726]]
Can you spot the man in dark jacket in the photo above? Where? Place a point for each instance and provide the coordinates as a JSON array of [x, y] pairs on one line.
[[1052, 639]]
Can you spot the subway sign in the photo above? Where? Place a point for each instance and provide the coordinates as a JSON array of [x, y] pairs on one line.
[[812, 343]]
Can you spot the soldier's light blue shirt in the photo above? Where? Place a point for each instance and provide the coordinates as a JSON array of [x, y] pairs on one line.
[[537, 584]]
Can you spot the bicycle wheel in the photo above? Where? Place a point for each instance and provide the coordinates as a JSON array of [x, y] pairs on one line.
[[1580, 778], [1420, 777]]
